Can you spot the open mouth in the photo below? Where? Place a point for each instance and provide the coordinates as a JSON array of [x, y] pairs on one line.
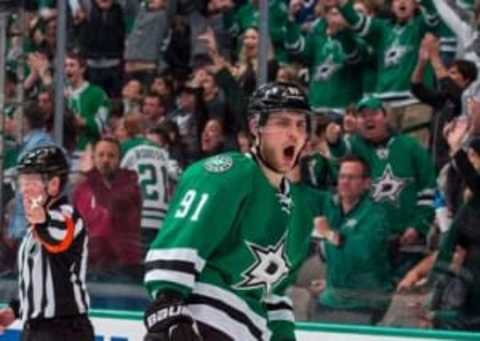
[[289, 152]]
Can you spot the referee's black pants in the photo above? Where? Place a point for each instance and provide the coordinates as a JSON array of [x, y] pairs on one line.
[[72, 328]]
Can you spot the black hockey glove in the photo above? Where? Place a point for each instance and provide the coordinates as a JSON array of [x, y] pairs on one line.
[[168, 319]]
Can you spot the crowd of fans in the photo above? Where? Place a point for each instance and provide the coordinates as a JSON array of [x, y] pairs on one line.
[[155, 85]]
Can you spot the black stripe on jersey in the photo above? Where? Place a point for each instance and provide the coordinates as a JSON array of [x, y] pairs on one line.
[[425, 197], [176, 265], [398, 97], [153, 217], [235, 314], [154, 209], [278, 306], [44, 275], [29, 293]]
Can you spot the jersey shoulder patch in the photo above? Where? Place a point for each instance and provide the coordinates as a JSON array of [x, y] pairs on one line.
[[218, 163]]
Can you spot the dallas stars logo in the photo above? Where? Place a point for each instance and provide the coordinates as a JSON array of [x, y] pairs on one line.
[[326, 70], [394, 54], [388, 187], [271, 266]]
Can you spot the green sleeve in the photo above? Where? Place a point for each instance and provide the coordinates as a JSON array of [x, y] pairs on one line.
[[446, 249], [278, 19], [296, 44], [425, 183], [355, 49], [199, 218], [345, 145], [368, 27], [281, 320], [96, 121], [235, 97], [429, 14]]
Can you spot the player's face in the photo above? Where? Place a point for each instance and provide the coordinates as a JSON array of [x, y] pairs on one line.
[[403, 9], [351, 181], [106, 158], [373, 124], [282, 138]]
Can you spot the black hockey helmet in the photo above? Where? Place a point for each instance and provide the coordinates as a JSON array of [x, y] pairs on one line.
[[277, 96], [45, 160]]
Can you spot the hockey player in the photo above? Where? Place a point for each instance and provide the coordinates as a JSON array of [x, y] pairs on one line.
[[53, 301], [235, 234]]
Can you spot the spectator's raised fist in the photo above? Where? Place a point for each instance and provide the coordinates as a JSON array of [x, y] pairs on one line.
[[293, 9], [333, 133]]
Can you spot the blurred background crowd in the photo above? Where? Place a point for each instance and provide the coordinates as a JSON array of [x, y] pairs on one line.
[[154, 85]]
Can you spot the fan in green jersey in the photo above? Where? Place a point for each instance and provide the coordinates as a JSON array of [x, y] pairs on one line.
[[235, 235], [403, 178]]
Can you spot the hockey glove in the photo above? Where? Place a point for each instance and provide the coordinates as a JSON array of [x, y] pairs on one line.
[[168, 319]]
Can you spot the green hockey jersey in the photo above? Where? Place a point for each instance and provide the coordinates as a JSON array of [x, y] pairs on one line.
[[333, 66], [403, 178], [151, 163], [231, 244], [396, 47], [92, 104]]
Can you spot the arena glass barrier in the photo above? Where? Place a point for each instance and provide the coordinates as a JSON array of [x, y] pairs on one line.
[[113, 325]]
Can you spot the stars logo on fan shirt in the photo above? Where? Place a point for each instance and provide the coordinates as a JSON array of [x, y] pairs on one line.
[[325, 70], [388, 187], [270, 267], [394, 55]]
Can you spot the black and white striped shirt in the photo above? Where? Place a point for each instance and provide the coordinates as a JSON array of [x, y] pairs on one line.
[[52, 262]]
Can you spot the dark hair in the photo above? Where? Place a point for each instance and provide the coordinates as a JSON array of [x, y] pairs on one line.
[[357, 159], [466, 68], [154, 95], [109, 139], [78, 57], [35, 118], [161, 130]]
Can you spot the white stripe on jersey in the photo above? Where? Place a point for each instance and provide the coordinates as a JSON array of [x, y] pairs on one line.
[[175, 277], [177, 254], [233, 301], [37, 288], [151, 223], [50, 307], [221, 321], [281, 315], [276, 299], [56, 233]]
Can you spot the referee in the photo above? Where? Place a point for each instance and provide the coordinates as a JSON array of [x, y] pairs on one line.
[[52, 258]]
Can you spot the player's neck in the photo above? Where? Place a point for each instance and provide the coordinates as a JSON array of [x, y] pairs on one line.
[[273, 177]]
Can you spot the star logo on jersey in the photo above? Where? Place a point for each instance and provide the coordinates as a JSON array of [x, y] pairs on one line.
[[382, 153], [218, 164], [388, 187], [351, 223], [394, 55], [271, 266], [324, 71]]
